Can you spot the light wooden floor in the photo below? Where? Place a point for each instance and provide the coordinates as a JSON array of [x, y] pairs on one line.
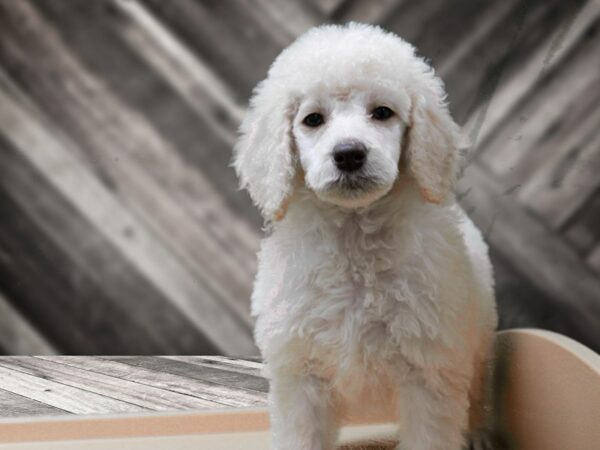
[[36, 385], [55, 385]]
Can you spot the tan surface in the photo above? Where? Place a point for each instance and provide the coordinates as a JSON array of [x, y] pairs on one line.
[[548, 388], [552, 391]]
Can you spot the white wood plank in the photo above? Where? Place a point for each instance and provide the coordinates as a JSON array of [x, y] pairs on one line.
[[78, 401], [218, 395], [112, 386], [15, 405], [223, 364]]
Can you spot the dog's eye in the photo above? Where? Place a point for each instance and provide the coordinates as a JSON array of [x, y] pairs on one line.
[[313, 120], [382, 113]]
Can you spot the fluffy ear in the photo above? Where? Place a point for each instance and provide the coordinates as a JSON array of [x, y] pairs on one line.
[[432, 141], [263, 154]]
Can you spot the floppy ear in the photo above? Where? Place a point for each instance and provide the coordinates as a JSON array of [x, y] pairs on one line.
[[263, 155], [432, 141]]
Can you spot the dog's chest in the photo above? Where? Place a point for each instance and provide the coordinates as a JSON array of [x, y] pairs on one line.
[[365, 296]]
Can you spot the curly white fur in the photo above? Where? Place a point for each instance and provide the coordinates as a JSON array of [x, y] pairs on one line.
[[385, 288]]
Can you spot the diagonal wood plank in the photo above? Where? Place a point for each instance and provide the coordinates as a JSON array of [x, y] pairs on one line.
[[568, 176], [17, 335], [58, 395], [220, 363], [112, 386], [521, 137], [15, 405], [240, 51], [536, 251], [109, 283], [216, 393], [143, 167], [101, 31], [230, 379], [194, 81], [482, 123]]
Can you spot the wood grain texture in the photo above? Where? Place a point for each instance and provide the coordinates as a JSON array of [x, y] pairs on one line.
[[218, 394], [17, 334], [58, 395], [246, 367], [15, 405], [115, 387], [557, 269], [231, 379], [117, 119], [98, 385]]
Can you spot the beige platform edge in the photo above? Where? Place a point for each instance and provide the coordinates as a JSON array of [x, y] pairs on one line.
[[548, 391]]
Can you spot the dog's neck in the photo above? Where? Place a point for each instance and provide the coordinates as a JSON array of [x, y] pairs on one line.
[[403, 203]]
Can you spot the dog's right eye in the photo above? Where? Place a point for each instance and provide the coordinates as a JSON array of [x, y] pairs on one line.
[[313, 120]]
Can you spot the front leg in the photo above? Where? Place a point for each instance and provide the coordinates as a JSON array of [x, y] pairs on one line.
[[301, 413], [433, 411]]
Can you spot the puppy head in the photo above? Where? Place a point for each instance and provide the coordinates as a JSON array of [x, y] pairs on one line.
[[344, 105]]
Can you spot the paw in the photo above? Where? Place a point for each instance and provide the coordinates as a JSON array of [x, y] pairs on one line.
[[480, 441], [486, 440]]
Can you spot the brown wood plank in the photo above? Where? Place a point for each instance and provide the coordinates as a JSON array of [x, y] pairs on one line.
[[17, 335], [536, 252], [15, 405], [111, 386], [58, 395], [218, 394], [129, 149], [209, 374], [217, 362]]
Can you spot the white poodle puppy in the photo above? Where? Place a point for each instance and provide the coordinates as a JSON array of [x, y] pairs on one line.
[[372, 279]]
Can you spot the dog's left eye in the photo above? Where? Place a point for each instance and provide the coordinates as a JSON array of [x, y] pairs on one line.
[[382, 113], [313, 120]]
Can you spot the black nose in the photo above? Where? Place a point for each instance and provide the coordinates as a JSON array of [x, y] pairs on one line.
[[349, 156]]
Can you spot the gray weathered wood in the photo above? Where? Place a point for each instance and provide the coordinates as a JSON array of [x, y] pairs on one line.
[[135, 157], [230, 379], [118, 388], [216, 394], [535, 250], [59, 395], [15, 405], [246, 367], [17, 335], [133, 104], [68, 245]]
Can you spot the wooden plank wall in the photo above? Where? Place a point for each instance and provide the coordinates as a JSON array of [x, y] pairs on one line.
[[123, 230]]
